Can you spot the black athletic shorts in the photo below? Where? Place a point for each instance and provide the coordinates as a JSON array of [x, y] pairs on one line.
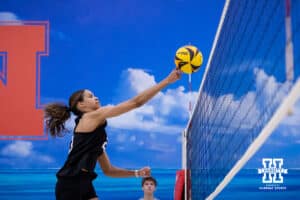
[[79, 188]]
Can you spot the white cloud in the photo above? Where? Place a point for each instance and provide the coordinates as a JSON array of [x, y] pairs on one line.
[[9, 16], [165, 148], [139, 80], [294, 118], [157, 115], [24, 149], [267, 86], [228, 113], [176, 100], [18, 149], [134, 121], [240, 113], [290, 125]]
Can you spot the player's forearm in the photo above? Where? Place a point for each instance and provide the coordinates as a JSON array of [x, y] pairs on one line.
[[119, 173], [146, 95]]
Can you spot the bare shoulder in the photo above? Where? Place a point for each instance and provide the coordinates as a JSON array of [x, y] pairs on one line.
[[99, 112], [91, 120], [99, 115]]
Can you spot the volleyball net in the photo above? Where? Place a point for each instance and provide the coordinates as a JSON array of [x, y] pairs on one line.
[[250, 83]]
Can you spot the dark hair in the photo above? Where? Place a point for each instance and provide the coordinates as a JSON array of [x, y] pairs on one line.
[[56, 114], [149, 178]]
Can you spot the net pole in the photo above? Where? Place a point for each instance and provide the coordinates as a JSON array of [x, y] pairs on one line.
[[289, 55], [190, 95], [185, 138], [184, 161]]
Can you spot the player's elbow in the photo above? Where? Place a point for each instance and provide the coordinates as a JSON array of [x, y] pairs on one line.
[[107, 171]]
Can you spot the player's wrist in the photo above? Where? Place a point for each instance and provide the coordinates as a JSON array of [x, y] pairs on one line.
[[166, 81]]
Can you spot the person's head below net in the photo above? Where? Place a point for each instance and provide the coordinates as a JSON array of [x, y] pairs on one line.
[[149, 186]]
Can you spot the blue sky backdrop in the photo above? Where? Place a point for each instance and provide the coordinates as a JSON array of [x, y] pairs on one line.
[[117, 49]]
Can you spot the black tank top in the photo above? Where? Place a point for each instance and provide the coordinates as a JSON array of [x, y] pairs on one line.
[[84, 150]]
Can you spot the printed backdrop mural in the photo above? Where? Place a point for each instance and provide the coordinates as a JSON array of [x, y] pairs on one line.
[[116, 49]]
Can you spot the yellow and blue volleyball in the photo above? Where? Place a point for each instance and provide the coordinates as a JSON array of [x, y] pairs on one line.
[[188, 59]]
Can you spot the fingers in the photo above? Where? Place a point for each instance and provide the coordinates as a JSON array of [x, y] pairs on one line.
[[178, 72], [174, 75]]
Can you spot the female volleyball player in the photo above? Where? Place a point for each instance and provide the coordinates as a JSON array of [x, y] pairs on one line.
[[74, 179]]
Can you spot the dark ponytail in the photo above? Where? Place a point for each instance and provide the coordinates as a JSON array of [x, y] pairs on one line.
[[56, 114]]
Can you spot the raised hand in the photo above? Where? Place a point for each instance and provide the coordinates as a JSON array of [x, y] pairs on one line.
[[174, 76], [144, 172]]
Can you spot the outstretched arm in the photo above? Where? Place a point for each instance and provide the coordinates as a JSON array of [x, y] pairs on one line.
[[112, 171], [111, 111]]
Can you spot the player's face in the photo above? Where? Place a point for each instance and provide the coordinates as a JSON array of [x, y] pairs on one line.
[[90, 100], [149, 187]]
